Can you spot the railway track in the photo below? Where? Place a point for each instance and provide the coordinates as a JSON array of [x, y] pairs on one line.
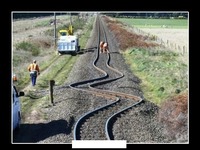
[[119, 102]]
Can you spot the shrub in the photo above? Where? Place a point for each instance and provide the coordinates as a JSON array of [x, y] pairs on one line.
[[27, 46], [174, 113]]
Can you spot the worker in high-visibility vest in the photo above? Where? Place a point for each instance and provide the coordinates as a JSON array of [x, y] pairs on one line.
[[34, 71], [101, 46], [14, 77], [105, 48]]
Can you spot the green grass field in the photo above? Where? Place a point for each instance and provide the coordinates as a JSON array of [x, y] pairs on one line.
[[162, 74], [156, 23]]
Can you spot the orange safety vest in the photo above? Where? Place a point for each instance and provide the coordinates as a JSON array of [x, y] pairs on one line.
[[14, 78], [101, 44], [105, 45], [33, 67]]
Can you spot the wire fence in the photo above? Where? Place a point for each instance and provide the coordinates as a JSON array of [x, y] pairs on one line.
[[167, 44]]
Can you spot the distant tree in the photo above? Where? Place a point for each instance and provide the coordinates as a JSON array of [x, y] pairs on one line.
[[30, 15]]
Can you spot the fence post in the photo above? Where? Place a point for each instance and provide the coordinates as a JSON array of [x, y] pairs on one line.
[[51, 84]]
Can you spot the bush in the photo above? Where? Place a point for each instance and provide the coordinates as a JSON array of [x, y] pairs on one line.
[[174, 114], [26, 46]]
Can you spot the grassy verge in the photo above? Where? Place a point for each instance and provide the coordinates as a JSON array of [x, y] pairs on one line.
[[54, 67], [58, 70], [162, 74]]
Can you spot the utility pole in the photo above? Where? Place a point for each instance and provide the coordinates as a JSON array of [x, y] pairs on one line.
[[54, 30], [70, 19]]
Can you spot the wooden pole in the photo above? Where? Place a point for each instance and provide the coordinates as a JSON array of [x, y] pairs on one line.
[[51, 84], [55, 30]]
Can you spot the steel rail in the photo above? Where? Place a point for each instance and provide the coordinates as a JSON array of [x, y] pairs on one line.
[[102, 93]]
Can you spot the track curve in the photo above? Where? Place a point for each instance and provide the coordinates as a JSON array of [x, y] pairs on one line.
[[120, 101]]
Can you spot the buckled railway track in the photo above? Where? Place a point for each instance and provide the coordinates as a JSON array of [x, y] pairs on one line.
[[119, 102]]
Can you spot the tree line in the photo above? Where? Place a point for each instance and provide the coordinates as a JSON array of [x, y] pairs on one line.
[[180, 15], [32, 15]]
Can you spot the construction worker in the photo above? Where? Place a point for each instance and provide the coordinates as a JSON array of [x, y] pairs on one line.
[[14, 78], [105, 48], [34, 71], [101, 46]]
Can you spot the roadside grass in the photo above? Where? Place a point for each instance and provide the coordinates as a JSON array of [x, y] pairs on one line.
[[65, 70], [162, 74], [86, 34], [31, 102], [57, 70]]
